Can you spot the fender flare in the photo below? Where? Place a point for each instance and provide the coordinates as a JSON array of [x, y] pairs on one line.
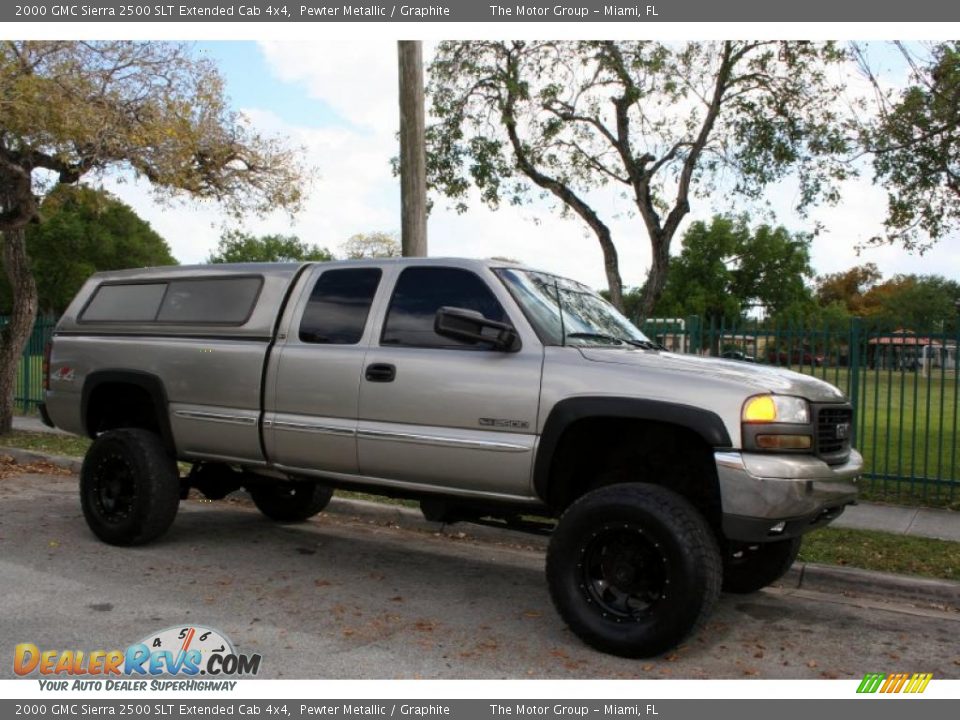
[[147, 382], [705, 423]]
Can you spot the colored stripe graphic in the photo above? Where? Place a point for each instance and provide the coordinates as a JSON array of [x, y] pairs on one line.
[[871, 682], [894, 683], [919, 682]]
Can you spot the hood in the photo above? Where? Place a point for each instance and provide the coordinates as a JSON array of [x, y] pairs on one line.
[[755, 378]]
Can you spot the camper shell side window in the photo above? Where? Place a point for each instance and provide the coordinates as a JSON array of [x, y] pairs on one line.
[[186, 301]]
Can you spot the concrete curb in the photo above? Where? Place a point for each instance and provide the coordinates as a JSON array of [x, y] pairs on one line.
[[24, 457], [830, 579], [839, 580]]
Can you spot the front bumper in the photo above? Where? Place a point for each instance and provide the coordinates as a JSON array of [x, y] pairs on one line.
[[775, 497]]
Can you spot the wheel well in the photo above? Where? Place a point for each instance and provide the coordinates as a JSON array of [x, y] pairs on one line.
[[595, 452], [113, 405]]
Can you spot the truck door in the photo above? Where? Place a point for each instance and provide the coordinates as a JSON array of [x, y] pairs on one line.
[[310, 418], [435, 411]]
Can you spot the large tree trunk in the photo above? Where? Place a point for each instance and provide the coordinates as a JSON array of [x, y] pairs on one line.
[[14, 337], [611, 266], [657, 277]]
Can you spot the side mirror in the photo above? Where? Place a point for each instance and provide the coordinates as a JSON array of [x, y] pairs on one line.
[[472, 327]]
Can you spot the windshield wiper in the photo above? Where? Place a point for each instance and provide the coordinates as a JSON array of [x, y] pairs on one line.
[[613, 340], [645, 344], [595, 336]]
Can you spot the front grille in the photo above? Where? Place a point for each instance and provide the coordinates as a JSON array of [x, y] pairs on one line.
[[834, 427]]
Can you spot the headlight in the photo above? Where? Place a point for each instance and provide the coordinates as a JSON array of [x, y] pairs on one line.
[[776, 409], [777, 423]]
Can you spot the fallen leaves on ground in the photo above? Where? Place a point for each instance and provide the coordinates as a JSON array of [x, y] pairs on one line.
[[9, 467]]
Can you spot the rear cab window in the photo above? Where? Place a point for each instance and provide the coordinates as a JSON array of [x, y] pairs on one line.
[[339, 304]]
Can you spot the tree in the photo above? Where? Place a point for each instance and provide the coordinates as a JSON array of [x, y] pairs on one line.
[[84, 231], [663, 123], [73, 108], [726, 269], [914, 141], [371, 245], [912, 302], [922, 303], [848, 288], [237, 246]]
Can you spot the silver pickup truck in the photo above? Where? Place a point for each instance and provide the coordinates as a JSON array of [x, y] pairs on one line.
[[485, 390]]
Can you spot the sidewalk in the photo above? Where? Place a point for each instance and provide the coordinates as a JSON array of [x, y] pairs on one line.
[[32, 423], [902, 520], [897, 519]]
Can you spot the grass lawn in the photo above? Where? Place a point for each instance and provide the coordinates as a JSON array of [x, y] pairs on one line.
[[65, 445], [885, 552]]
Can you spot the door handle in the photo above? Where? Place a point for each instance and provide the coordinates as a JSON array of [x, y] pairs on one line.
[[381, 372]]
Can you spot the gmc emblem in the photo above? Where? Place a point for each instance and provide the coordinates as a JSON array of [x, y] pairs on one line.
[[842, 431]]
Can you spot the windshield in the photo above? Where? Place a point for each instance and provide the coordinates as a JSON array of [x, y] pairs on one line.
[[587, 319]]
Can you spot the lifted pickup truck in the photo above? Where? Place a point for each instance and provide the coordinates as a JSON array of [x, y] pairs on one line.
[[485, 390]]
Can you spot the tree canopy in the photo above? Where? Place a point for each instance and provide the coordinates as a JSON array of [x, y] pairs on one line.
[[914, 140], [912, 302], [726, 269], [238, 246], [922, 303], [70, 108], [149, 109], [848, 288], [664, 123], [84, 231], [371, 245]]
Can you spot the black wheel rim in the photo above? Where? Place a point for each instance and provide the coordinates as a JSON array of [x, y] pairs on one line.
[[114, 490], [624, 572]]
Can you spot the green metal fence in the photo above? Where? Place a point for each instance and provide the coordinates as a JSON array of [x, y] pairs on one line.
[[29, 388], [903, 385]]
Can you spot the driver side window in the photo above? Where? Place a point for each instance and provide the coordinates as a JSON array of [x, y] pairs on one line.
[[421, 291]]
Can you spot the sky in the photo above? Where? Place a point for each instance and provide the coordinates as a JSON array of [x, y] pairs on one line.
[[338, 99]]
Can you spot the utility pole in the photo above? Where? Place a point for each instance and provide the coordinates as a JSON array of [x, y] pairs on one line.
[[413, 157]]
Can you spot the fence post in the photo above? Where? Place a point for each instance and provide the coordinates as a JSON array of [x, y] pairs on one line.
[[856, 332], [694, 334]]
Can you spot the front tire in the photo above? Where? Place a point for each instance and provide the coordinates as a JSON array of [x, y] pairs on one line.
[[748, 568], [633, 568], [129, 487], [290, 501]]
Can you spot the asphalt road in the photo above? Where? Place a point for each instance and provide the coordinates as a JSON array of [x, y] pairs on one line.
[[344, 598]]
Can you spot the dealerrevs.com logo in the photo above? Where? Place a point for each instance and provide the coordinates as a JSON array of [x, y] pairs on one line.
[[186, 652]]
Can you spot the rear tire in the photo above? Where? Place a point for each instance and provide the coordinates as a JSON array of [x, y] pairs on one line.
[[633, 568], [748, 568], [129, 487], [290, 501]]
